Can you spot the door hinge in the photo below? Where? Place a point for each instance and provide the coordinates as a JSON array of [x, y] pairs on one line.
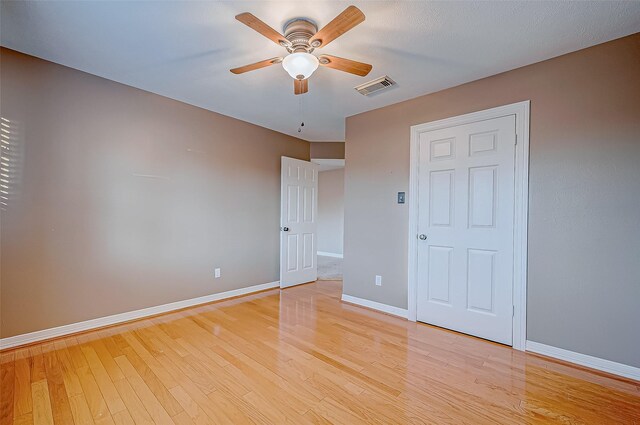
[[516, 139], [513, 311]]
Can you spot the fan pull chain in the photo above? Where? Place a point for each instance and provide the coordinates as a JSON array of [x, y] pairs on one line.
[[301, 115]]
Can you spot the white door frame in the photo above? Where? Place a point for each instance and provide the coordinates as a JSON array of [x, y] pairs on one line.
[[521, 211]]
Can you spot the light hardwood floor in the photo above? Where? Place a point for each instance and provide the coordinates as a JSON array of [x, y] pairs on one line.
[[295, 357]]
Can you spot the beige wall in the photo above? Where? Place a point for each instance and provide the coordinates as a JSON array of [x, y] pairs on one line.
[[126, 199], [327, 150], [331, 211], [584, 218]]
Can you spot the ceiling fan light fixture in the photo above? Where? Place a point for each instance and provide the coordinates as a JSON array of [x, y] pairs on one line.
[[300, 65], [301, 37]]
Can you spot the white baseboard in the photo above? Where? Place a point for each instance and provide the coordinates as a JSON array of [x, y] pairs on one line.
[[585, 360], [329, 254], [100, 322], [385, 308]]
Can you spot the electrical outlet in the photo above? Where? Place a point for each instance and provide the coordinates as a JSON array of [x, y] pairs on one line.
[[378, 280], [216, 273]]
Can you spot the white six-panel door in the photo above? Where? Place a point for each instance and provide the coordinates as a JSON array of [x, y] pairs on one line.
[[298, 216], [466, 228]]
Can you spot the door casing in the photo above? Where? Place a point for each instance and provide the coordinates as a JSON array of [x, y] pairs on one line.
[[521, 210]]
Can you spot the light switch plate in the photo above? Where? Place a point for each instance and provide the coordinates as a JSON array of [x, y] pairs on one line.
[[401, 197]]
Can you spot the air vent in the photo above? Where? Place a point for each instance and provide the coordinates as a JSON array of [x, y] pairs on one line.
[[375, 85]]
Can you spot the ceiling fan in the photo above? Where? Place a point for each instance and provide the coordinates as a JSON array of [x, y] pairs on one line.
[[301, 38]]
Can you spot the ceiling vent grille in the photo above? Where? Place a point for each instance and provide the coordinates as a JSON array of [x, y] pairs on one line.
[[375, 86]]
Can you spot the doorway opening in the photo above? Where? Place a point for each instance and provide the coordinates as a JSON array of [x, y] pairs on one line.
[[330, 218]]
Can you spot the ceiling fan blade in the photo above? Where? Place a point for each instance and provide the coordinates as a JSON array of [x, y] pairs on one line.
[[257, 65], [342, 23], [257, 25], [346, 65], [300, 86]]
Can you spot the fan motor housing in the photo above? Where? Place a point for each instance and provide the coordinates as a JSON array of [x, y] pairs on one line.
[[298, 31]]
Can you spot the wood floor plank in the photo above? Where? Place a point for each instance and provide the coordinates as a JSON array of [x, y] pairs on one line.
[[69, 376], [197, 405], [297, 356], [106, 421], [36, 364], [111, 344], [335, 413], [224, 379], [160, 371], [226, 403], [24, 419], [106, 359], [134, 406], [57, 392], [183, 419], [7, 393], [123, 418], [80, 410], [155, 385], [42, 410], [77, 358], [91, 391], [149, 400], [187, 366], [108, 390], [189, 406]]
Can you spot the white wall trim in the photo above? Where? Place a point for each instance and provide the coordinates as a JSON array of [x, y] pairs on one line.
[[521, 111], [329, 254], [385, 308], [585, 360], [100, 322]]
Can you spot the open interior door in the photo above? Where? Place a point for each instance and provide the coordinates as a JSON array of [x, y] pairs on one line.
[[298, 217]]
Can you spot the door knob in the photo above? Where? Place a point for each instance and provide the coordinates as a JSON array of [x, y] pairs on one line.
[[285, 229], [422, 237]]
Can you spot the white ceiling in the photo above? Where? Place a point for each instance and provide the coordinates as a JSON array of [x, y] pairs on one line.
[[184, 50]]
